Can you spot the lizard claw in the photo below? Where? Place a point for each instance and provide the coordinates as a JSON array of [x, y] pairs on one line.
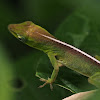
[[41, 86], [51, 87]]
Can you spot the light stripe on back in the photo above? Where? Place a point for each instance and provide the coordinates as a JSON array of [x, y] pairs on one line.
[[63, 43]]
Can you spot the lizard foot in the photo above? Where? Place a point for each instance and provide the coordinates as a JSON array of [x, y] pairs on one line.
[[49, 81]]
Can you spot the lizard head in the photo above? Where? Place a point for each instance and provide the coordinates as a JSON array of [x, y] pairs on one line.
[[31, 34], [21, 31]]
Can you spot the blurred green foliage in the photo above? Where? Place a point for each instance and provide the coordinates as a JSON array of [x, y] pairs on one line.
[[75, 22], [6, 76]]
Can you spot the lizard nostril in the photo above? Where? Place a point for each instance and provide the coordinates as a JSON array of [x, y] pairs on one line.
[[10, 27]]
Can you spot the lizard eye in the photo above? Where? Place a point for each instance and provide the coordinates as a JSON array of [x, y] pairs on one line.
[[21, 38]]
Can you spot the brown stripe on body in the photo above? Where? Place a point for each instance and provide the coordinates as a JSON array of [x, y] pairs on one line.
[[69, 49], [43, 36]]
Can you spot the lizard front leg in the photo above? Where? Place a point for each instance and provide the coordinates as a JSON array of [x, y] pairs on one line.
[[56, 66]]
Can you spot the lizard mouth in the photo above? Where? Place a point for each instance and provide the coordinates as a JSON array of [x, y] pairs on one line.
[[10, 28], [14, 33]]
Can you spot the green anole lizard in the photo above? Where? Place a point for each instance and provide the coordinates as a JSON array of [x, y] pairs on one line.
[[59, 53]]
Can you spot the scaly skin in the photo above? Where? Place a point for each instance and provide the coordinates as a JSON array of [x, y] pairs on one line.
[[60, 53]]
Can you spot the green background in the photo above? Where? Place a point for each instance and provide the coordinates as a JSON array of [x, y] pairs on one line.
[[76, 22]]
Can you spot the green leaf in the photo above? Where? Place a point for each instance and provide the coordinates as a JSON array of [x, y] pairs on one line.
[[91, 43], [74, 29], [25, 74], [67, 79], [6, 92]]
